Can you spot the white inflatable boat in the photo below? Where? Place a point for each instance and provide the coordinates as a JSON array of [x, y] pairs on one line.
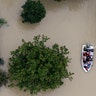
[[87, 57]]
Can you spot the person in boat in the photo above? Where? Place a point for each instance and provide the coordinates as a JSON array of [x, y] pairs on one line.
[[88, 49], [84, 59], [87, 65], [85, 54], [87, 57]]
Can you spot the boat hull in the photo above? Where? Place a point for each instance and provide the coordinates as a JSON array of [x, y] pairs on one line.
[[87, 57]]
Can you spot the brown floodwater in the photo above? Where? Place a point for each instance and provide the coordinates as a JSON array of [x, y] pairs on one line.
[[69, 23]]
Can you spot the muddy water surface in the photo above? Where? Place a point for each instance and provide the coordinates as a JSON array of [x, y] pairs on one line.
[[71, 24]]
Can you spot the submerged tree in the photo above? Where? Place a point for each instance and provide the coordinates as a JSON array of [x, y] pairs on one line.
[[1, 61], [33, 66], [2, 22], [3, 78], [33, 11], [59, 0]]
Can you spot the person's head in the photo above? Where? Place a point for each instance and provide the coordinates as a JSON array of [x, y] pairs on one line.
[[88, 62], [88, 53], [87, 45]]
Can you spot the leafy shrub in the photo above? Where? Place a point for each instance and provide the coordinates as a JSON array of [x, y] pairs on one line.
[[33, 11], [34, 66], [2, 22], [3, 78]]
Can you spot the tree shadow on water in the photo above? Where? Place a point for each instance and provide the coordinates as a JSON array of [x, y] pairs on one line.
[[75, 5], [71, 4]]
